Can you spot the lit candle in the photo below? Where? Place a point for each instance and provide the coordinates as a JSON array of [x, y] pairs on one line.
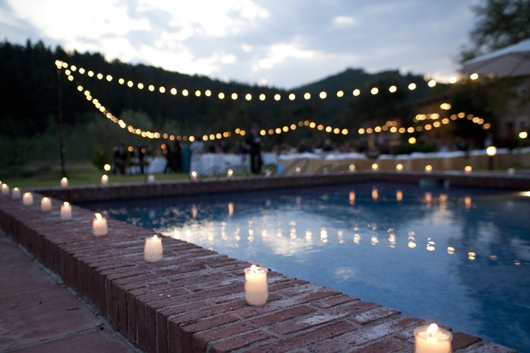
[[256, 287], [229, 173], [151, 178], [468, 169], [352, 168], [153, 250], [15, 193], [432, 339], [193, 176], [27, 199], [399, 167], [5, 189], [64, 182], [104, 179], [46, 204], [66, 211], [375, 166], [99, 225], [428, 168]]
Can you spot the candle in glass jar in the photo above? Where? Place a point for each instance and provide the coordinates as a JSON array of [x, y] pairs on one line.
[[5, 189], [99, 225], [46, 204], [432, 339], [104, 179], [64, 182], [153, 251], [27, 199], [15, 193], [66, 211], [256, 287]]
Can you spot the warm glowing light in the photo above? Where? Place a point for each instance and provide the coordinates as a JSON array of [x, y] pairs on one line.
[[473, 76], [374, 91], [491, 151], [428, 127], [344, 131], [221, 95], [197, 93], [191, 139], [277, 97], [107, 167], [293, 126], [412, 86], [445, 106], [402, 130], [412, 140], [99, 76], [207, 93], [312, 125], [151, 88], [369, 130], [399, 196], [410, 130], [431, 330], [173, 91], [361, 131], [262, 97], [285, 128], [468, 169], [375, 194], [375, 166], [328, 128], [399, 167], [452, 80], [340, 94], [431, 83], [468, 202], [486, 126], [278, 130], [307, 96], [130, 83], [392, 89], [450, 250], [248, 96], [352, 167], [323, 95], [428, 168], [377, 129], [229, 173], [393, 129], [356, 92], [523, 134], [109, 78], [162, 89], [185, 92]]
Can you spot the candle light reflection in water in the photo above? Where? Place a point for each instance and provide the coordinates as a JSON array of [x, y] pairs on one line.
[[454, 244]]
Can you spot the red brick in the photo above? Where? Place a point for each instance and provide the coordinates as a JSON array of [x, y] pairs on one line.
[[334, 300], [373, 315], [244, 340], [306, 339], [462, 340], [387, 346], [202, 339], [182, 337], [322, 317], [362, 337]]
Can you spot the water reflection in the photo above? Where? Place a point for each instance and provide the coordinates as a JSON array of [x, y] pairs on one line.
[[460, 258]]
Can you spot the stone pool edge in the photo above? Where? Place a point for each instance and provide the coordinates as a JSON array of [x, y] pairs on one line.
[[193, 299]]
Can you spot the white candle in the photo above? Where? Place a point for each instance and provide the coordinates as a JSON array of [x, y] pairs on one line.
[[66, 211], [5, 189], [432, 339], [99, 225], [46, 204], [193, 176], [468, 169], [428, 168], [27, 199], [256, 287], [15, 193], [399, 167], [151, 178], [229, 173], [64, 182], [104, 179], [153, 251]]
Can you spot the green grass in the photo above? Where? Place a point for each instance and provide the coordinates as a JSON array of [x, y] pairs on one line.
[[78, 174]]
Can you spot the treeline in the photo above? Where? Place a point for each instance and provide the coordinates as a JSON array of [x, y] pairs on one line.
[[30, 87]]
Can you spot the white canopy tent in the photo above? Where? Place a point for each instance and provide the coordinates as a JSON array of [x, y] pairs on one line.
[[511, 61]]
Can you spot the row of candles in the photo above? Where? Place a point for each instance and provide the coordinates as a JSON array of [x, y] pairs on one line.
[[428, 339]]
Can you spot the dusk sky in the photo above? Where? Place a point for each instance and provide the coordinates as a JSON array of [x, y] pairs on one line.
[[284, 43]]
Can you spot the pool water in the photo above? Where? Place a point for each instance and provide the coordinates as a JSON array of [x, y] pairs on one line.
[[460, 258]]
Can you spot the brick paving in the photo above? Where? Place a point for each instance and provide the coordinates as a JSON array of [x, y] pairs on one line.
[[191, 301]]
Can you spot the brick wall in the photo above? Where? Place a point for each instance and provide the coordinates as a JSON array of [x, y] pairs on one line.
[[192, 300]]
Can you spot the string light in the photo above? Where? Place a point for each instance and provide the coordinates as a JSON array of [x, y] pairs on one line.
[[329, 129]]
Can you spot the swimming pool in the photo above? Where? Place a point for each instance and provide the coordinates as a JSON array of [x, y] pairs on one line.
[[457, 257]]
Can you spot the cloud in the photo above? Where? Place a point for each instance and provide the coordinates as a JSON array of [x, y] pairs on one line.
[[286, 43]]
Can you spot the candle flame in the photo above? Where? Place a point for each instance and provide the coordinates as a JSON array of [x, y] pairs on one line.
[[64, 179], [253, 268], [98, 216], [155, 237], [66, 203], [15, 188], [27, 194], [44, 199], [432, 329]]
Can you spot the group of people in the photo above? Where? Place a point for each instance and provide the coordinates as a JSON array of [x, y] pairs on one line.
[[127, 157]]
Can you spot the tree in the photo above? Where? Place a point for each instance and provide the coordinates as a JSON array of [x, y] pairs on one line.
[[500, 23]]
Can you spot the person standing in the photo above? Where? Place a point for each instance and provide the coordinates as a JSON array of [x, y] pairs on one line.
[[254, 142]]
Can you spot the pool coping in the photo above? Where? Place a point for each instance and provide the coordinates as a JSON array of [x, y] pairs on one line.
[[192, 300]]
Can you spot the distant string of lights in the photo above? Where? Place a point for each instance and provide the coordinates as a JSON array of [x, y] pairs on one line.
[[69, 69], [390, 126]]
